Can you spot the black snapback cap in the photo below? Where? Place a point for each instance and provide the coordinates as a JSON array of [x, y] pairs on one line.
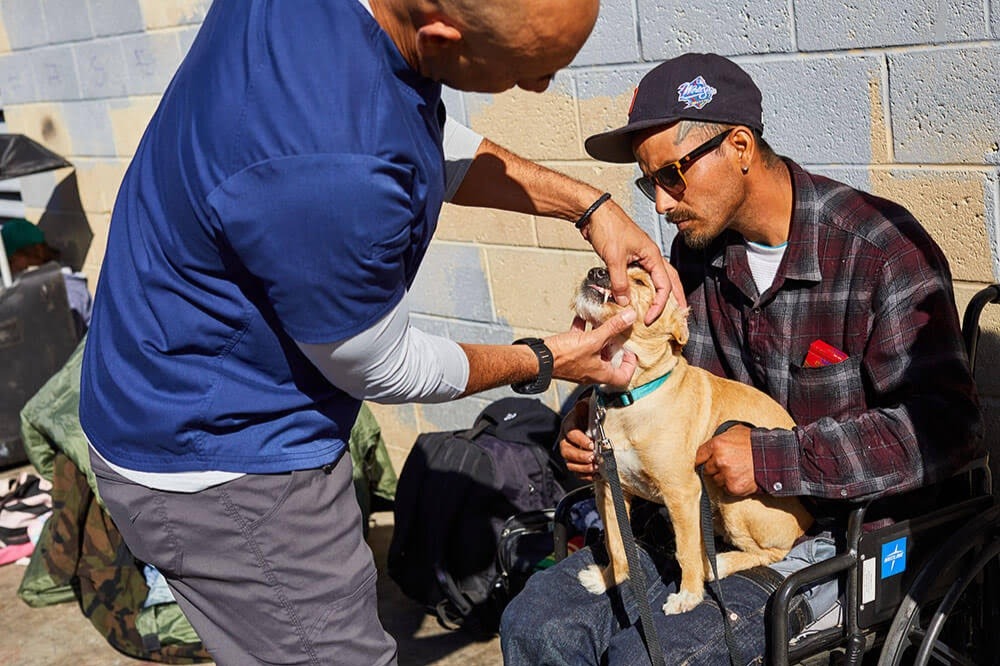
[[694, 86]]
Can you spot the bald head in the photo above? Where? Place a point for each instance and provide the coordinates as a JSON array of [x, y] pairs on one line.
[[494, 45], [562, 20]]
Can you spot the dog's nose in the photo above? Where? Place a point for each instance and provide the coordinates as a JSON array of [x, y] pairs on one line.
[[598, 274]]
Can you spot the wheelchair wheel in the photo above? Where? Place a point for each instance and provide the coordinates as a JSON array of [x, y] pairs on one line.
[[961, 627]]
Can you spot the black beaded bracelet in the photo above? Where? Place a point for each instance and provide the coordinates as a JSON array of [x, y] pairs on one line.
[[582, 222]]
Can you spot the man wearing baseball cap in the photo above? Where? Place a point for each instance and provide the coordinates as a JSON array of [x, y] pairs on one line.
[[835, 302]]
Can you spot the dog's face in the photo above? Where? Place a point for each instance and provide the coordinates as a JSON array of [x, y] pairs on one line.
[[654, 345]]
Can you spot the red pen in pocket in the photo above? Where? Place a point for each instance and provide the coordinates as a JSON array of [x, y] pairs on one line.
[[821, 353]]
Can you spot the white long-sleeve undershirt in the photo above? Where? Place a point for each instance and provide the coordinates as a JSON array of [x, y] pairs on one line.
[[392, 362]]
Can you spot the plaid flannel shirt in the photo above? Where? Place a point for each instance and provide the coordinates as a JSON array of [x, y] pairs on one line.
[[861, 274]]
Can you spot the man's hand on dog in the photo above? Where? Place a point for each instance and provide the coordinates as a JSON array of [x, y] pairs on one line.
[[581, 355], [728, 460], [619, 242]]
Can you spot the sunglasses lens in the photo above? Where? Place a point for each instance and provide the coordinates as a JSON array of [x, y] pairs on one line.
[[669, 178], [647, 187]]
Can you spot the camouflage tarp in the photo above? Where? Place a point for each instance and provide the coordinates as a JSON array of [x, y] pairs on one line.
[[82, 549], [80, 554]]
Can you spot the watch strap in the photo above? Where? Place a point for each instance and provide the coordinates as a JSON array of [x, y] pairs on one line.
[[545, 361]]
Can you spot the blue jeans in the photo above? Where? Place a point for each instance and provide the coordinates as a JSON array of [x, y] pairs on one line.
[[554, 620]]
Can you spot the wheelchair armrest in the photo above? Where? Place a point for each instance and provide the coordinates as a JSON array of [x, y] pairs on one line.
[[974, 483], [970, 320], [782, 599], [560, 528]]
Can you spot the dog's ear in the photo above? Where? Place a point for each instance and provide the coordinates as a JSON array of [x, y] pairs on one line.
[[679, 325]]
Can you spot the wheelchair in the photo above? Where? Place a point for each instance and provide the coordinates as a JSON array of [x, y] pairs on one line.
[[925, 589]]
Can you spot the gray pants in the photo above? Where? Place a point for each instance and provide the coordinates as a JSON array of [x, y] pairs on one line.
[[268, 568]]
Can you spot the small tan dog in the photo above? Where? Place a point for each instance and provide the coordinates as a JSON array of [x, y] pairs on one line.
[[655, 440]]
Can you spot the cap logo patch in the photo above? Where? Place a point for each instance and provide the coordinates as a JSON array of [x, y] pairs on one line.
[[695, 93]]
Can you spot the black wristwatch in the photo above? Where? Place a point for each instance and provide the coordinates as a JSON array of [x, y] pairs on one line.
[[544, 378]]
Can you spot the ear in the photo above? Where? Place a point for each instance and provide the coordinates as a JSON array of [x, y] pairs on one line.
[[679, 326], [438, 42], [742, 140]]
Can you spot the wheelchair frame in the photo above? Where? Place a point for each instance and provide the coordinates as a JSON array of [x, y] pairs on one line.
[[898, 613], [937, 586]]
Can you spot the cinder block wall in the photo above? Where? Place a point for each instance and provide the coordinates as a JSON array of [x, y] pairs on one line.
[[898, 98]]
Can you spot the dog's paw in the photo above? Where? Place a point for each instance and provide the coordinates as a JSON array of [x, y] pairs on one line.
[[592, 579], [681, 602]]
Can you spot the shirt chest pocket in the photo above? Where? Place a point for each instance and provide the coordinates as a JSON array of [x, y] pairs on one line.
[[834, 390]]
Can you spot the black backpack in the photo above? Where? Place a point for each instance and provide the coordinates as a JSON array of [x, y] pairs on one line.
[[455, 495]]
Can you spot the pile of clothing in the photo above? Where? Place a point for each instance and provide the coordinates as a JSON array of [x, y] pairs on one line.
[[24, 508]]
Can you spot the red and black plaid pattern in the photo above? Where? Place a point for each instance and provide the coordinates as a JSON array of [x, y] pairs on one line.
[[861, 274]]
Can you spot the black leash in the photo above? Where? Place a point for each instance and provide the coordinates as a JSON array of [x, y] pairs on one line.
[[708, 536], [636, 576]]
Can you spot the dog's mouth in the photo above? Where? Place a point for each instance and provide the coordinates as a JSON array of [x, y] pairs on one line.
[[596, 291], [597, 285], [594, 296]]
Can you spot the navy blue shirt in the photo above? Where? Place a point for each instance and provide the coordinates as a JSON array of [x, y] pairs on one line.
[[285, 190]]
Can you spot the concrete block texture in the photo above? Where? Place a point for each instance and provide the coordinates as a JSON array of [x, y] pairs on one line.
[[485, 225], [185, 36], [4, 40], [452, 283], [946, 105], [129, 118], [169, 13], [668, 28], [151, 60], [55, 74], [952, 206], [99, 225], [993, 222], [45, 123], [115, 17], [17, 78], [102, 69], [24, 22], [99, 180], [89, 124], [614, 38], [828, 25], [533, 289], [537, 126], [823, 109], [605, 95], [67, 20]]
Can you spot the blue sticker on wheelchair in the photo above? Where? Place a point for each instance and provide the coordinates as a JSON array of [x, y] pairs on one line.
[[893, 557]]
